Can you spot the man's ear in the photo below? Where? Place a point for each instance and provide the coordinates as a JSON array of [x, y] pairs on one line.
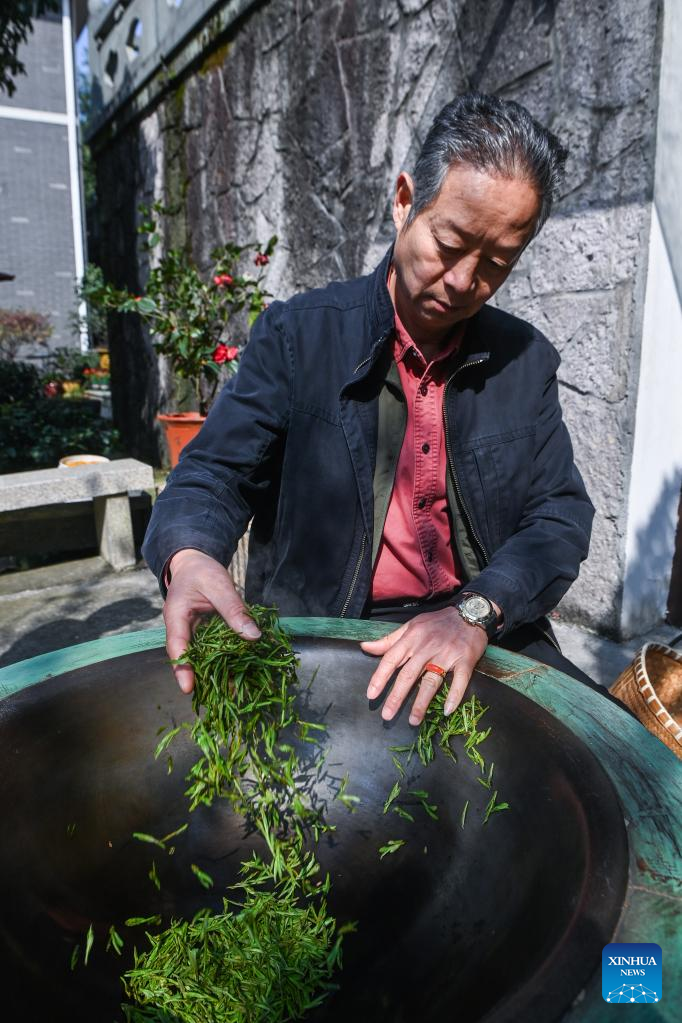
[[402, 200]]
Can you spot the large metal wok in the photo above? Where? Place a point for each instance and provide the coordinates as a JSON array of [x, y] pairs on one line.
[[502, 921]]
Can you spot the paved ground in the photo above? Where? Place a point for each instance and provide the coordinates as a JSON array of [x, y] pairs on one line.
[[48, 608], [60, 605]]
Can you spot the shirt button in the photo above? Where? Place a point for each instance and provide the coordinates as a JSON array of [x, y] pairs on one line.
[[423, 390], [421, 503], [425, 448]]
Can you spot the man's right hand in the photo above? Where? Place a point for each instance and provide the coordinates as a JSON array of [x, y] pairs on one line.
[[199, 584]]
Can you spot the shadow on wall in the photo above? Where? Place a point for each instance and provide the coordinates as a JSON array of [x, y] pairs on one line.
[[123, 615], [648, 573]]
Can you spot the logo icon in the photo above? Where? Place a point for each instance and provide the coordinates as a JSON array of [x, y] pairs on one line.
[[632, 972]]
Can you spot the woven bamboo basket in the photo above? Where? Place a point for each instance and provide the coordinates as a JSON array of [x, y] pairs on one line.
[[651, 686]]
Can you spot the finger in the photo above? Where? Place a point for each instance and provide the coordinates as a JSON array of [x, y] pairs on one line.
[[460, 680], [387, 667], [428, 687], [178, 635], [230, 607], [380, 646], [402, 687]]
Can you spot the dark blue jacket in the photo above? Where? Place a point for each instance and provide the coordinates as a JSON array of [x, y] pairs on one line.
[[292, 442]]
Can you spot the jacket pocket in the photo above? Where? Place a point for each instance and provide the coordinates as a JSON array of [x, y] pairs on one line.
[[504, 474]]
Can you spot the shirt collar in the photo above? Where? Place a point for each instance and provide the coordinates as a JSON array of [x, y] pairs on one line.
[[403, 344]]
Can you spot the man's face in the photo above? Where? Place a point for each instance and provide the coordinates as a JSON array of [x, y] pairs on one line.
[[456, 253]]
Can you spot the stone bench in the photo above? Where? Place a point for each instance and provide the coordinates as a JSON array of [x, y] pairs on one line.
[[106, 484]]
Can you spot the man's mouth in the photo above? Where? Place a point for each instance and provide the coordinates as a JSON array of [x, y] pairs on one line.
[[445, 307]]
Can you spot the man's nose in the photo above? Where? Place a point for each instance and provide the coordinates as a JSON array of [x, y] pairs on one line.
[[462, 274]]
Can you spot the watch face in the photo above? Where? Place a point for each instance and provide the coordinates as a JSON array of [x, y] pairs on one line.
[[477, 607]]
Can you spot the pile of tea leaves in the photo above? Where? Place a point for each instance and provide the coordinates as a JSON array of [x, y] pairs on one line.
[[269, 959], [270, 955]]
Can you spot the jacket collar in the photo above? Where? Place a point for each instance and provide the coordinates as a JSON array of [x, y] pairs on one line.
[[476, 341], [379, 305]]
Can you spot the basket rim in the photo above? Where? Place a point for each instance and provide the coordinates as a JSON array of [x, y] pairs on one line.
[[644, 683]]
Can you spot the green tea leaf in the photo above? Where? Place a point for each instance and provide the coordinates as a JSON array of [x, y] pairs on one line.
[[166, 741], [89, 942], [463, 816], [154, 877], [204, 879], [391, 846], [141, 837], [114, 941], [392, 796], [174, 834]]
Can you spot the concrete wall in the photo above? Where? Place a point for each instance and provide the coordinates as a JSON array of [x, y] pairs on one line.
[[297, 123]]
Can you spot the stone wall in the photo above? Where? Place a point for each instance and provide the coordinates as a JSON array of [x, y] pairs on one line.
[[298, 123]]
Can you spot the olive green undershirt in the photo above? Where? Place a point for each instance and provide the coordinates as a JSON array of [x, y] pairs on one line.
[[390, 433]]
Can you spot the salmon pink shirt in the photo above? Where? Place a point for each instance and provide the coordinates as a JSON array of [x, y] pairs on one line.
[[416, 557]]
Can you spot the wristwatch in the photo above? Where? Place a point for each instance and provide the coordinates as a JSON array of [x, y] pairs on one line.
[[477, 610]]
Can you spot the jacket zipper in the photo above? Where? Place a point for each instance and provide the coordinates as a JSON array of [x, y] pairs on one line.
[[356, 573], [451, 463], [374, 348]]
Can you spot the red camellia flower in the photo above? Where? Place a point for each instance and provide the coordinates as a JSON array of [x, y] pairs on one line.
[[232, 353], [221, 280], [261, 259], [220, 354], [51, 389]]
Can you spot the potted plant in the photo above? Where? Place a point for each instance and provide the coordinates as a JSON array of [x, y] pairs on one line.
[[197, 320]]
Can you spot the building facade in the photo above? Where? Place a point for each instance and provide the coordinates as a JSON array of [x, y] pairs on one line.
[[294, 117], [41, 221]]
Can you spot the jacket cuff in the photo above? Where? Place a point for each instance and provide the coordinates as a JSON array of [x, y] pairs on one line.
[[159, 553]]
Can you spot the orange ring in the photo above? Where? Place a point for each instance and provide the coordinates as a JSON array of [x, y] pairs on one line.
[[436, 669]]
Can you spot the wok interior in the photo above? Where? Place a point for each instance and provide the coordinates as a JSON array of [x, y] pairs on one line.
[[496, 921]]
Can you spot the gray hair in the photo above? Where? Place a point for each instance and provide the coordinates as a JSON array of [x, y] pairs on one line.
[[493, 135]]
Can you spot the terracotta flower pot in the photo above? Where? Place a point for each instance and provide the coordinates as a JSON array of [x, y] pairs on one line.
[[180, 429]]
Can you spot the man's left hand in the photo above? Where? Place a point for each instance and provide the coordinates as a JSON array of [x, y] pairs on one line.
[[440, 637]]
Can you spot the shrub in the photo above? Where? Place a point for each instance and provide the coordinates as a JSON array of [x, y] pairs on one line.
[[36, 434], [18, 382]]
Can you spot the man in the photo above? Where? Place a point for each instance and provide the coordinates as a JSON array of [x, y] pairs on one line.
[[398, 444]]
